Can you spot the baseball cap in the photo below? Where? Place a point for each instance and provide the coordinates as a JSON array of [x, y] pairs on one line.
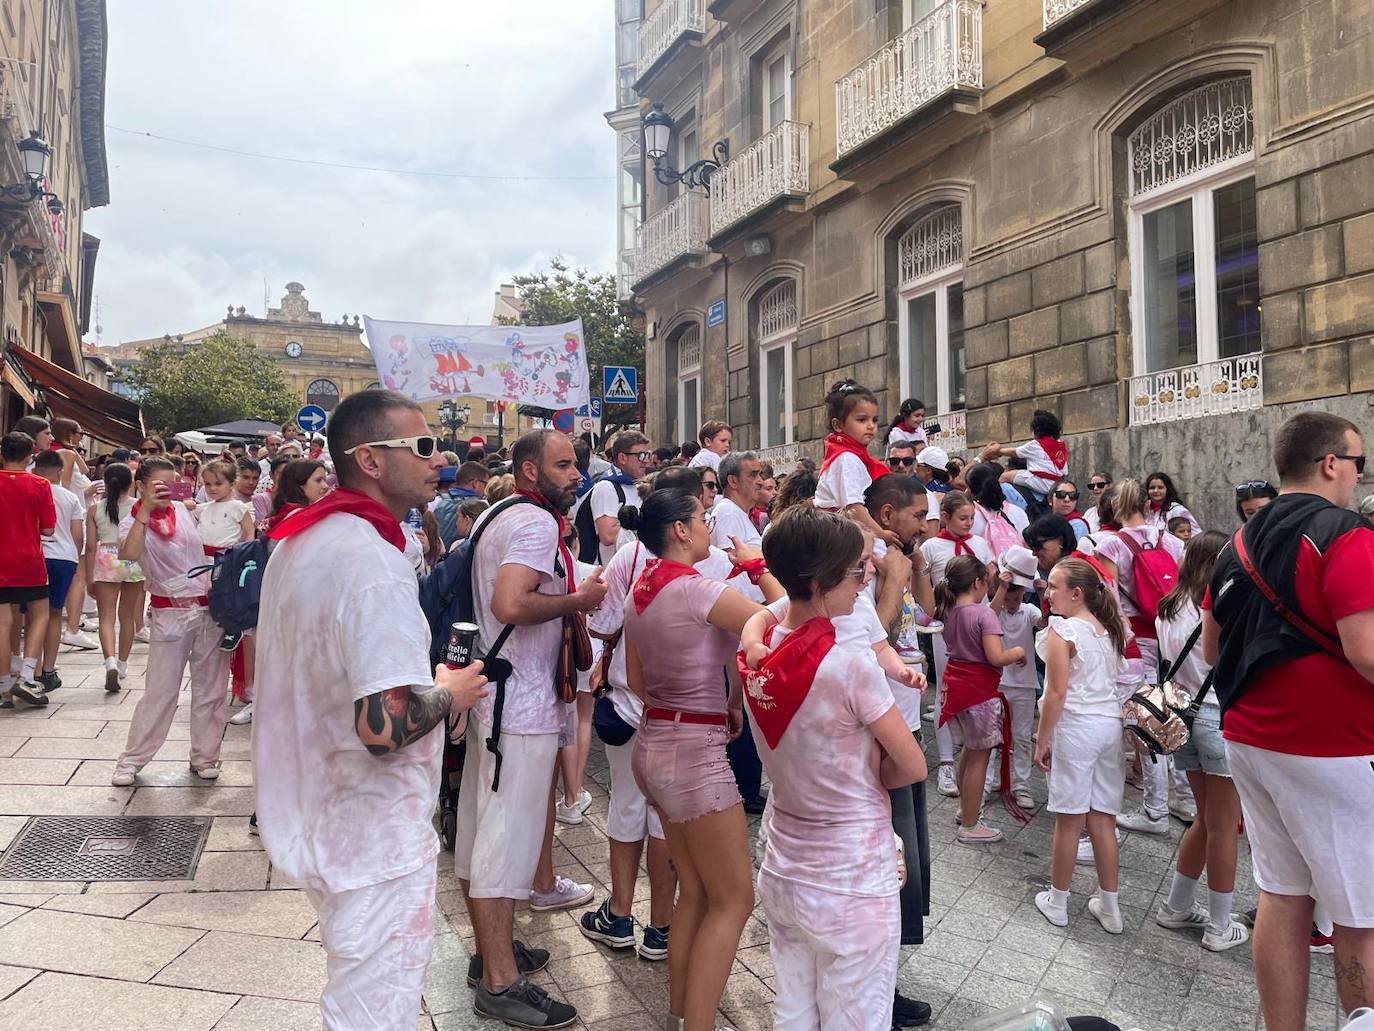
[[1021, 564], [934, 457], [448, 475]]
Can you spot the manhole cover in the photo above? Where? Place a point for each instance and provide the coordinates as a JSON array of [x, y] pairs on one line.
[[106, 848]]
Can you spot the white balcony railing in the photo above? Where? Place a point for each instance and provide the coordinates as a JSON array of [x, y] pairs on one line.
[[940, 53], [676, 231], [48, 227], [775, 165], [952, 435], [1057, 10], [781, 456], [1214, 388], [664, 26]]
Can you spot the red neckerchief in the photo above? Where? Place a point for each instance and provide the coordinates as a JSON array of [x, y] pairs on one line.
[[1075, 514], [1109, 526], [345, 500], [565, 554], [658, 574], [776, 690], [273, 520], [961, 544], [163, 523], [838, 444], [1055, 450]]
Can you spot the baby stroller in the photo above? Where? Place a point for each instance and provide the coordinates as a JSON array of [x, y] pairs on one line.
[[450, 778]]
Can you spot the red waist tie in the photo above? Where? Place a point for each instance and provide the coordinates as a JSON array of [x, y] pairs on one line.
[[212, 550], [161, 601], [707, 719]]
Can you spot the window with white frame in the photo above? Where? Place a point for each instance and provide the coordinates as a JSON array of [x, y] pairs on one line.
[[777, 89], [688, 391], [914, 10], [1194, 244], [930, 311], [777, 336], [686, 148]]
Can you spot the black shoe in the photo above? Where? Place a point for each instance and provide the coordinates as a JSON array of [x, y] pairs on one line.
[[527, 961], [49, 681], [1248, 917], [909, 1012], [29, 691], [253, 823], [523, 1004], [112, 683], [754, 806], [230, 640]]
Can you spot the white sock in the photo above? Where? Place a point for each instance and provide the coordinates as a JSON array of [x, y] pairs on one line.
[[27, 669], [6, 682], [1059, 899], [111, 662], [1108, 901], [123, 668], [1219, 909], [16, 664], [1182, 893]]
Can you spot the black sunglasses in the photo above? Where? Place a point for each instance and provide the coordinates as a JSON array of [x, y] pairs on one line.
[[1103, 485], [710, 485], [1357, 459], [1066, 495], [908, 462], [1251, 486]]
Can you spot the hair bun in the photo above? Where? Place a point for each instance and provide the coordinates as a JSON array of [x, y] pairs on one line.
[[629, 517]]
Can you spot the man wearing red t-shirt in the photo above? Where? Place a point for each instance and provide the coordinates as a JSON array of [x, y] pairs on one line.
[[27, 515], [1288, 623]]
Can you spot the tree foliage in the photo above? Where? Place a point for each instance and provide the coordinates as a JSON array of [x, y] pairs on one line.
[[184, 386]]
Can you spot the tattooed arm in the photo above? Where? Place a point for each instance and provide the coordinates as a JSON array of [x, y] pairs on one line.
[[399, 716]]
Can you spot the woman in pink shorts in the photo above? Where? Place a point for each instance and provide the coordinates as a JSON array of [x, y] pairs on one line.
[[681, 629]]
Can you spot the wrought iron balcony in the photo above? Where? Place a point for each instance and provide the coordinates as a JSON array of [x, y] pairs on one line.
[[941, 54], [676, 232], [952, 434], [1213, 388], [1057, 10], [781, 456], [663, 27], [775, 166]]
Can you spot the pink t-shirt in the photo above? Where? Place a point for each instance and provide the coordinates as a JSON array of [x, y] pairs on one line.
[[166, 559], [832, 823], [965, 628], [682, 655]]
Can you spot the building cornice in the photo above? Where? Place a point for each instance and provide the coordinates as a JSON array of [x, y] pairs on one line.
[[92, 36]]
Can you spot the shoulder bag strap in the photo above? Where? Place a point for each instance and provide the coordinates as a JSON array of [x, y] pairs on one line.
[[1184, 653], [1295, 619]]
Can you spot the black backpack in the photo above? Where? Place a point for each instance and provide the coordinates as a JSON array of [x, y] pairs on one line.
[[588, 543], [236, 584]]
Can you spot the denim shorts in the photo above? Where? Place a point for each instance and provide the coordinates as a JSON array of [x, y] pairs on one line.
[[1205, 749], [682, 769]]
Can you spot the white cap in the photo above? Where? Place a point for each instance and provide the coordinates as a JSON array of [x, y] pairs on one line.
[[934, 457], [1021, 564]]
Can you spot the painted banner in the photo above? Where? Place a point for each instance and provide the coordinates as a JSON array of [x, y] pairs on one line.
[[531, 365]]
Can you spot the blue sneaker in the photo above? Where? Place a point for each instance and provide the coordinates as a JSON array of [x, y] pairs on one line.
[[601, 925], [654, 945]]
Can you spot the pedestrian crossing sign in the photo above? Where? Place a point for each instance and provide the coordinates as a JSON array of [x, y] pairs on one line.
[[620, 384]]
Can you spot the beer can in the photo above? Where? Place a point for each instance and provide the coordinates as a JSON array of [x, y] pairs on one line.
[[462, 642]]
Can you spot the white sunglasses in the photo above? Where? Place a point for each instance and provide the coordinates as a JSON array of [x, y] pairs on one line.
[[421, 447]]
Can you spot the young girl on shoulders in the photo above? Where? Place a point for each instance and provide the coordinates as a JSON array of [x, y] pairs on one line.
[[1079, 740], [969, 698], [851, 411], [909, 426]]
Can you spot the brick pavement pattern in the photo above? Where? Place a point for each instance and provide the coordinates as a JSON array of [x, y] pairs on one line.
[[236, 948]]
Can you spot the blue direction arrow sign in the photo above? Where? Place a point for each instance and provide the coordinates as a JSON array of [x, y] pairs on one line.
[[312, 418], [621, 384]]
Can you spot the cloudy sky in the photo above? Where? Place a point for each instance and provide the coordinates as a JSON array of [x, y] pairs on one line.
[[452, 86]]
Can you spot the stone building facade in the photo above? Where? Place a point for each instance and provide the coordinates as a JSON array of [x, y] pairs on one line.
[[1154, 218]]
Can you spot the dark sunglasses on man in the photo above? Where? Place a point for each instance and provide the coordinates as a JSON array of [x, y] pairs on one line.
[[1066, 495], [1357, 459], [904, 463]]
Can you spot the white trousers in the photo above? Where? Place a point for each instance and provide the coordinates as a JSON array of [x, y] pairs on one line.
[[944, 738], [178, 637], [377, 941], [1022, 703], [835, 957]]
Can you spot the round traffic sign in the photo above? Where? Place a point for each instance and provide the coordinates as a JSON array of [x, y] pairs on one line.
[[563, 420]]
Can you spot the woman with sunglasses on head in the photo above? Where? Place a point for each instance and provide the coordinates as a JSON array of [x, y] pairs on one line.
[[1251, 496], [1165, 503], [1064, 502]]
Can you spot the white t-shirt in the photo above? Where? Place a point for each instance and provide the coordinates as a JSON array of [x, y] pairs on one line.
[[705, 459], [221, 522], [1018, 631], [523, 535], [1093, 669], [728, 520], [1094, 519], [939, 551], [1173, 635], [61, 545], [901, 435], [842, 483], [1160, 520], [340, 620], [1110, 547], [604, 502], [832, 822], [1037, 461]]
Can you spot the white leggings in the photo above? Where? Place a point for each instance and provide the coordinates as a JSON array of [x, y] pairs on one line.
[[944, 739]]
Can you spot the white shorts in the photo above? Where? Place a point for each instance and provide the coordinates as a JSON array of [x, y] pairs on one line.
[[1037, 485], [631, 816], [1310, 821], [1085, 765], [500, 833]]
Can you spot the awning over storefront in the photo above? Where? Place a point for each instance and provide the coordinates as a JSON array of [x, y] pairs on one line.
[[104, 415]]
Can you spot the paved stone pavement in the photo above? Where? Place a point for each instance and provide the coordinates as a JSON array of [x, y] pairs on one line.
[[235, 949]]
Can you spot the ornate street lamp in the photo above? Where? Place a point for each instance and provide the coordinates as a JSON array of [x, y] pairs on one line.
[[658, 131], [34, 153], [454, 417]]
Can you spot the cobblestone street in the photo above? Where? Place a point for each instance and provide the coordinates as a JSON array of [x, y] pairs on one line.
[[235, 948]]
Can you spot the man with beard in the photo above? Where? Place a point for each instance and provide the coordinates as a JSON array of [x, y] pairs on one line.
[[522, 581]]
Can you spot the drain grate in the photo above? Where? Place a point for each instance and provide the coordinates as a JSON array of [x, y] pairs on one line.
[[106, 848]]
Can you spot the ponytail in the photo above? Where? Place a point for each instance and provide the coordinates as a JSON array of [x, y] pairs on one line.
[[118, 479], [1096, 597], [960, 575]]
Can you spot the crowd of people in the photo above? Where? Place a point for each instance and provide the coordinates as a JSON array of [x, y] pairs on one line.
[[741, 639]]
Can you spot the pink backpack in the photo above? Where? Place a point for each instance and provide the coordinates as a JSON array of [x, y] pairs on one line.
[[1154, 570], [998, 530]]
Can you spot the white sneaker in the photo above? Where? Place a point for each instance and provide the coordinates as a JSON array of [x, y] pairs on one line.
[[1024, 799], [80, 640], [141, 635], [584, 800], [244, 715], [1111, 922], [979, 834], [210, 771], [1057, 916], [945, 782], [1185, 809], [1085, 848], [1166, 917], [1141, 821], [566, 894], [124, 776], [1220, 941], [570, 815]]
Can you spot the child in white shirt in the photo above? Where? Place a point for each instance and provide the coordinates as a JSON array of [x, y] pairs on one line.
[[1047, 458], [1019, 680], [223, 520]]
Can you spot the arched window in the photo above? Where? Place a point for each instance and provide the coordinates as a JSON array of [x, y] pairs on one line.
[[930, 309], [323, 392], [776, 333], [1194, 243]]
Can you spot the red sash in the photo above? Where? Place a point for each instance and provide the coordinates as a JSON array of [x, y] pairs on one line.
[[1058, 454], [961, 544], [776, 690], [838, 444], [658, 574], [967, 684], [163, 523], [352, 502]]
